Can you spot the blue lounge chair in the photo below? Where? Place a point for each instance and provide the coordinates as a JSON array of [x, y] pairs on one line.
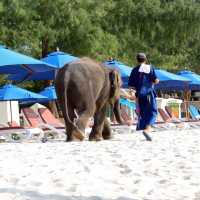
[[126, 102], [194, 112]]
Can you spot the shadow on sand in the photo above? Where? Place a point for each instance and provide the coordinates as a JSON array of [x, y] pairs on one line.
[[34, 195]]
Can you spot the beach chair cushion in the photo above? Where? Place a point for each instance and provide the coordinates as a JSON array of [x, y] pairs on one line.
[[49, 118], [170, 111], [159, 119], [125, 115], [194, 112], [164, 115], [33, 118], [14, 124]]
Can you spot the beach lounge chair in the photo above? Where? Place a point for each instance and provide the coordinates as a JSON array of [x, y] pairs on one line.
[[172, 122], [159, 119], [164, 115], [194, 123], [169, 111], [168, 116], [194, 112], [31, 117], [125, 115], [34, 120], [10, 126], [11, 131], [48, 118]]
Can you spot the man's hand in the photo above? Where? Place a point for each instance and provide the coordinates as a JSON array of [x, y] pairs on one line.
[[156, 81]]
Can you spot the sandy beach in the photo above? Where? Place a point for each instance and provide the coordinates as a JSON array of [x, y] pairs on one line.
[[125, 168]]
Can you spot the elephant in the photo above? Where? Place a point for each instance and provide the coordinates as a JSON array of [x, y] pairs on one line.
[[84, 89]]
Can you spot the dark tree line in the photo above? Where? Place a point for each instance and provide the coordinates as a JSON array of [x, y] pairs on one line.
[[167, 30]]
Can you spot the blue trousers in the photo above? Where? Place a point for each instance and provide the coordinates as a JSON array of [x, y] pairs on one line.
[[148, 111]]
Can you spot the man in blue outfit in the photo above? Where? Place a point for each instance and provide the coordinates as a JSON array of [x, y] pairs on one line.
[[142, 79]]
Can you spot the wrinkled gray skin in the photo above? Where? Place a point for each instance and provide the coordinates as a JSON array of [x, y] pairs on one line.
[[85, 88]]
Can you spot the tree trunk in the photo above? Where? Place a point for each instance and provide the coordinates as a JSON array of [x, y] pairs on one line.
[[47, 83]]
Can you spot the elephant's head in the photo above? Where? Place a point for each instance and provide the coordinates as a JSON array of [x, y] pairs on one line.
[[115, 84]]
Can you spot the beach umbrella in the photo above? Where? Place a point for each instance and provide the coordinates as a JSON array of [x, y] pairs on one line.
[[12, 62], [49, 75], [58, 59], [11, 92], [49, 92], [194, 83], [123, 69], [170, 81]]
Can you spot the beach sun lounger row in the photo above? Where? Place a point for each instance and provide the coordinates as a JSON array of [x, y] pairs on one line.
[[43, 119]]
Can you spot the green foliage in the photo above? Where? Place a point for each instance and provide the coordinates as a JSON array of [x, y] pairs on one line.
[[167, 30]]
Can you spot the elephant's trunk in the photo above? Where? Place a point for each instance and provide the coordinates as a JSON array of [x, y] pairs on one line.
[[116, 110]]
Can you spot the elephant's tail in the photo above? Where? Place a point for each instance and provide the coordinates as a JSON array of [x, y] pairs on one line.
[[66, 83], [76, 132]]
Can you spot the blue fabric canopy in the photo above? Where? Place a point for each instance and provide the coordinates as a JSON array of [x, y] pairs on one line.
[[12, 92], [49, 75], [170, 81], [12, 62], [58, 59], [123, 69], [49, 92], [194, 79]]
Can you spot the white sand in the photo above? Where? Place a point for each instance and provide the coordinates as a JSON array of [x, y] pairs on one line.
[[125, 168]]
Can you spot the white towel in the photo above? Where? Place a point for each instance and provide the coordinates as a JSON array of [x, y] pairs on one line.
[[145, 68]]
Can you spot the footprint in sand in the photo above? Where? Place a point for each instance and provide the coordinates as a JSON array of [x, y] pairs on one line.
[[62, 169], [49, 158], [35, 183], [187, 177], [137, 181], [117, 155], [86, 169], [45, 165], [125, 170], [13, 180], [73, 188], [163, 181], [58, 183]]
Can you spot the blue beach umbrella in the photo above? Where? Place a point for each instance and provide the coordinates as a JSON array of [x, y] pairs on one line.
[[194, 83], [58, 59], [127, 103], [12, 62], [170, 81], [49, 75], [50, 93], [11, 92], [123, 69]]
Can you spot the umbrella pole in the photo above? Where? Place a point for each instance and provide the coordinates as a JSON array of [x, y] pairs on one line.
[[187, 103], [10, 112]]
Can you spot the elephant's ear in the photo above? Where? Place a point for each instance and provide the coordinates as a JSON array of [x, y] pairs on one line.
[[115, 83]]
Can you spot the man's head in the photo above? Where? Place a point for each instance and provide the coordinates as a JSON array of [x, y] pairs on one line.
[[141, 57]]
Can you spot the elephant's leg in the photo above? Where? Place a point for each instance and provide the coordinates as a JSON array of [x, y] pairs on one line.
[[106, 133], [84, 117], [85, 109], [99, 118], [69, 126]]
